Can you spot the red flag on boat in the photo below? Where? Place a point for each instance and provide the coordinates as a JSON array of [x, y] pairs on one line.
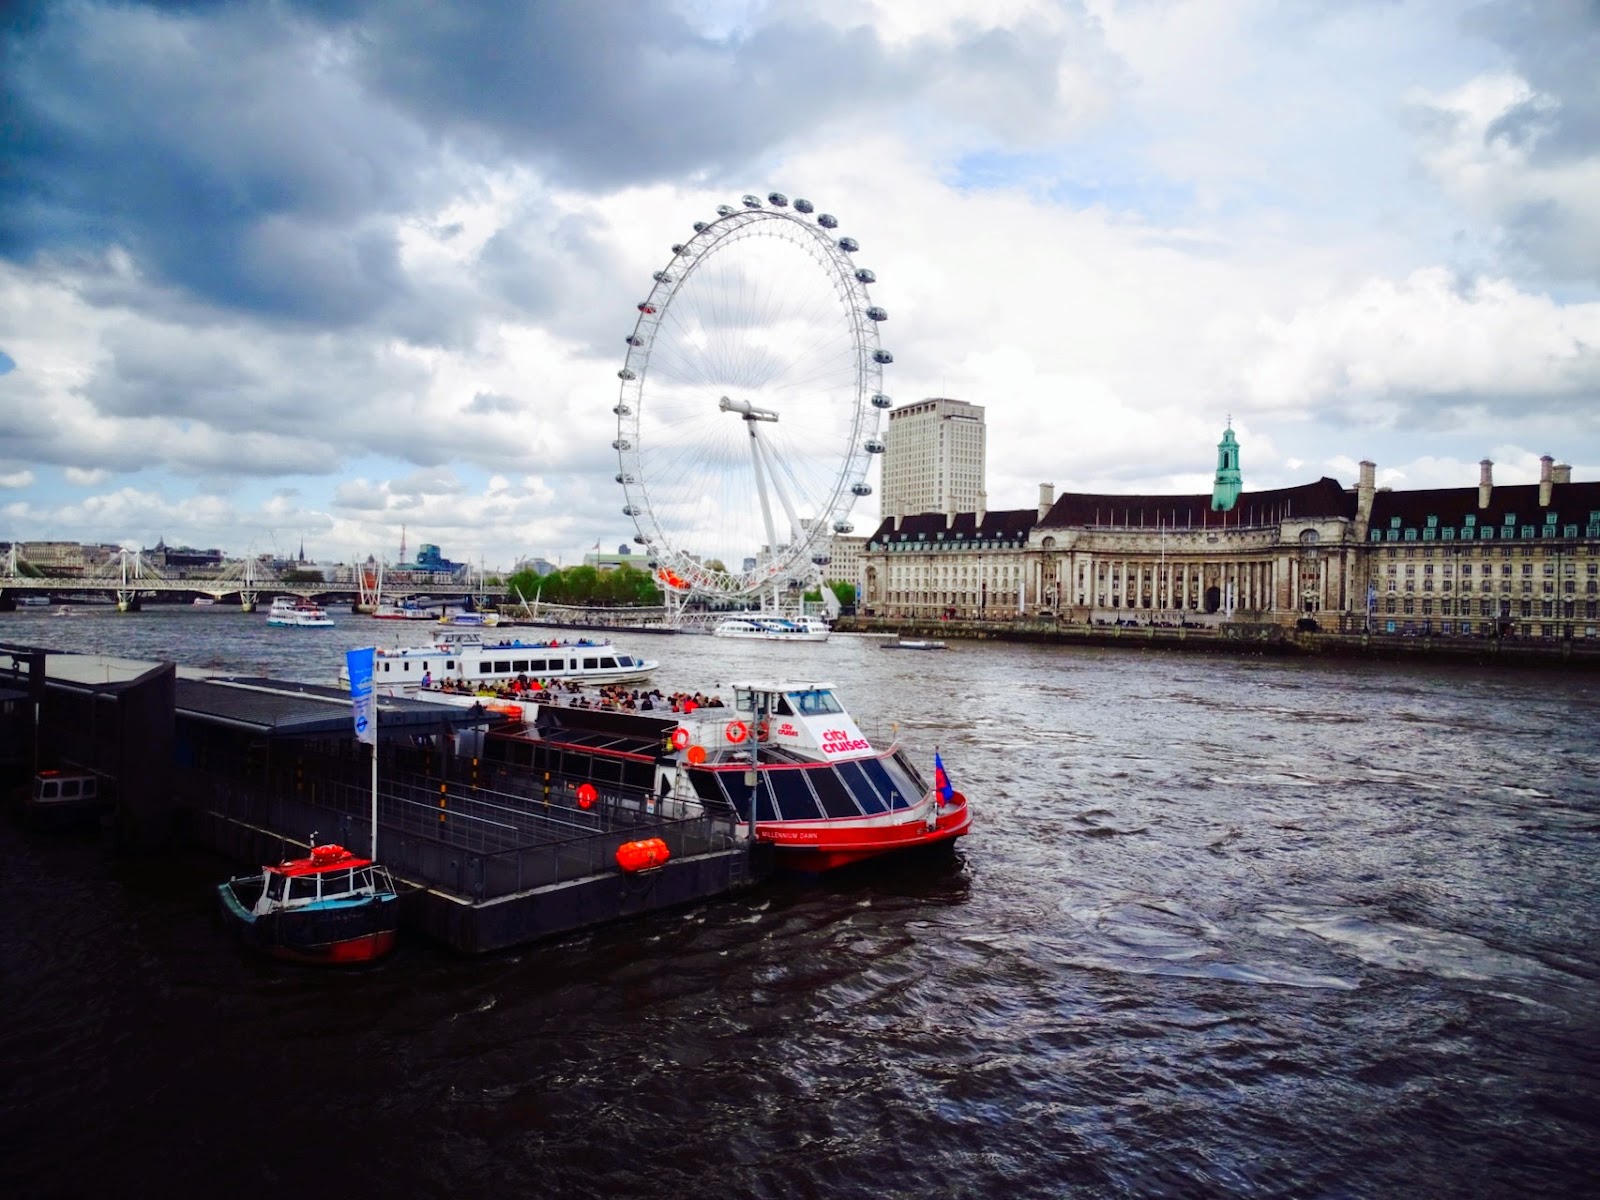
[[941, 781]]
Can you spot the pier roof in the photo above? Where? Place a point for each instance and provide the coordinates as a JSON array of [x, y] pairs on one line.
[[276, 708]]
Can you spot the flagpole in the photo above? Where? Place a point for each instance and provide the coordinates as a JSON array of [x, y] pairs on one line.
[[373, 853]]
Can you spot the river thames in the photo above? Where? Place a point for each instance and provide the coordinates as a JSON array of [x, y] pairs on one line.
[[1223, 927]]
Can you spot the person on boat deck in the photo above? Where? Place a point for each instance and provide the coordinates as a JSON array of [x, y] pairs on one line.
[[427, 679]]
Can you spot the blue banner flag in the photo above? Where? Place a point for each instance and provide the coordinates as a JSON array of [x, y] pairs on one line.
[[363, 709], [941, 781]]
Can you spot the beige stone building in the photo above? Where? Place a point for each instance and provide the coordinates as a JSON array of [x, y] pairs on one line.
[[1523, 559]]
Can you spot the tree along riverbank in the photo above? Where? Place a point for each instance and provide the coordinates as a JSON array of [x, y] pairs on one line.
[[1263, 639]]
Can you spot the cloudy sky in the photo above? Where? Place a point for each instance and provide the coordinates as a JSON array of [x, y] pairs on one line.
[[280, 271]]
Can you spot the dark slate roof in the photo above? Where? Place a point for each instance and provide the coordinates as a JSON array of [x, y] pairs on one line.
[[1011, 525], [1571, 502], [275, 708], [1325, 498]]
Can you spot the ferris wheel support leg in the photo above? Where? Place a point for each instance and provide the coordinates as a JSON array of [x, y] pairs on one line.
[[756, 458], [795, 531]]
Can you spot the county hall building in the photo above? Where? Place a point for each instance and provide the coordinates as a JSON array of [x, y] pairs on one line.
[[1521, 559]]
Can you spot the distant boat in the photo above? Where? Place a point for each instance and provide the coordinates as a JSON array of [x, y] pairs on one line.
[[770, 627], [914, 644], [291, 611], [33, 601], [203, 601]]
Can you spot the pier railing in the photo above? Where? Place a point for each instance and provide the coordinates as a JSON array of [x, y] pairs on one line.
[[478, 842]]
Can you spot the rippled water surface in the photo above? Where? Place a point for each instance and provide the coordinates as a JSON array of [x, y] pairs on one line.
[[1222, 928]]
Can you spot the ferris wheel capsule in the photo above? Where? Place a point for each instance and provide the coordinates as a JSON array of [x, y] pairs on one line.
[[802, 206], [827, 220], [861, 489], [882, 357], [849, 245], [882, 401], [865, 276], [750, 201], [726, 210], [777, 199], [877, 314]]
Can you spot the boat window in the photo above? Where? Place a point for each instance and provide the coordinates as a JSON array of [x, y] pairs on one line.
[[302, 889], [485, 668], [816, 703], [916, 775], [835, 797], [502, 666], [538, 666], [69, 789], [449, 664], [795, 800], [855, 779], [519, 664], [590, 664], [890, 782], [49, 789], [895, 791], [783, 709], [624, 660], [275, 886], [608, 662]]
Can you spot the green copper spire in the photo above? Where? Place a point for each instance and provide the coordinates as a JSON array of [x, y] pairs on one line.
[[1225, 490]]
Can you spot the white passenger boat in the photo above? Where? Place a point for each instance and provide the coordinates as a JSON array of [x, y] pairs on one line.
[[466, 660], [770, 627], [292, 611]]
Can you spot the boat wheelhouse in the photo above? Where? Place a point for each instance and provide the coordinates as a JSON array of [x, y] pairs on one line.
[[466, 660], [330, 907], [821, 793], [57, 798]]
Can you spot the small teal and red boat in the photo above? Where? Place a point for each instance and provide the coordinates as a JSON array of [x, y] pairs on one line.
[[331, 907]]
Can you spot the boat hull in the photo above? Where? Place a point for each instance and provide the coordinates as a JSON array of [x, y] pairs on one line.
[[346, 935], [814, 846]]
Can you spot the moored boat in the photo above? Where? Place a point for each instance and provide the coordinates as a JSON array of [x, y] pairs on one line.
[[330, 907], [914, 644], [464, 661], [824, 796], [771, 627]]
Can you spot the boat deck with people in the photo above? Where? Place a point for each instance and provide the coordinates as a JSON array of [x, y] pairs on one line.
[[469, 659], [824, 796]]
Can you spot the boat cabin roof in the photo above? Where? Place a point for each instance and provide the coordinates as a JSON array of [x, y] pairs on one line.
[[784, 687], [315, 864]]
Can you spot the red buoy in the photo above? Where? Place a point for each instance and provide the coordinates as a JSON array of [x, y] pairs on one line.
[[587, 795], [642, 855]]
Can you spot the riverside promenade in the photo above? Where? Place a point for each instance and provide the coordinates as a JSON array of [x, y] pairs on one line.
[[1240, 639]]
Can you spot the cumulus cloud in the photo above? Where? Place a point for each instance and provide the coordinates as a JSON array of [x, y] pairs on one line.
[[389, 251]]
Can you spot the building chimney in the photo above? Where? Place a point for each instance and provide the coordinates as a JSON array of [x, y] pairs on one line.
[[1047, 498], [1485, 482], [1562, 473], [1364, 493], [1545, 463], [983, 511]]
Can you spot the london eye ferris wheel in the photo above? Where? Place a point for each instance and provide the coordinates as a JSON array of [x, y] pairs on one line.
[[750, 403]]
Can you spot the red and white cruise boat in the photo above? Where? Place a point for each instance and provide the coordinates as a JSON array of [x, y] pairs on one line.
[[824, 795]]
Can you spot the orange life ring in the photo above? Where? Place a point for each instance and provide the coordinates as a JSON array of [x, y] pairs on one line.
[[762, 730], [737, 731], [680, 738], [587, 795], [696, 755]]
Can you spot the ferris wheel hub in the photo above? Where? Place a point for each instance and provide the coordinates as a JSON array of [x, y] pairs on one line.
[[746, 410]]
